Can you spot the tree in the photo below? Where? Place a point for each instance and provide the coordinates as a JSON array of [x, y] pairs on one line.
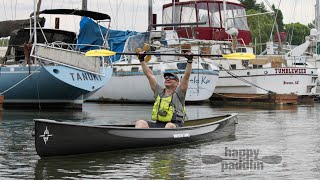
[[312, 24], [252, 4], [279, 18], [296, 33], [260, 28]]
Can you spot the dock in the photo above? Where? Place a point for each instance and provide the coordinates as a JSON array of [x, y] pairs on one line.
[[1, 102], [252, 99]]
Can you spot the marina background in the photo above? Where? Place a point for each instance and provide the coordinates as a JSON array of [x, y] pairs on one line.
[[292, 132], [133, 14]]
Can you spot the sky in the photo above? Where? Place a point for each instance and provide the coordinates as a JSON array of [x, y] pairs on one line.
[[132, 14]]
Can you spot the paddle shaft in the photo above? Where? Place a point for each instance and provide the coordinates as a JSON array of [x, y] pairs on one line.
[[170, 54]]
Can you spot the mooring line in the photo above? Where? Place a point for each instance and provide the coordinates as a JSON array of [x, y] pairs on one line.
[[19, 82]]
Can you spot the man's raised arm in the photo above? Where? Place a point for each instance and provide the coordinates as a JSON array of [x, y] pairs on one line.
[[147, 71]]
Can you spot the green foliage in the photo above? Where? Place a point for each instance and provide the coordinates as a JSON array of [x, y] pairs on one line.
[[252, 4], [279, 18], [312, 25], [296, 33], [260, 27], [4, 42]]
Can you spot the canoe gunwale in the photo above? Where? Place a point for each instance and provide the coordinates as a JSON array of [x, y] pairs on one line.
[[128, 127]]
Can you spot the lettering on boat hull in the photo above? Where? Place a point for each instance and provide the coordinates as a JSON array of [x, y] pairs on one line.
[[85, 77], [291, 71]]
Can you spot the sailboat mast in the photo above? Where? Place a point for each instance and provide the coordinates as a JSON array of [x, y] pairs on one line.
[[150, 22], [317, 13], [35, 22], [84, 5]]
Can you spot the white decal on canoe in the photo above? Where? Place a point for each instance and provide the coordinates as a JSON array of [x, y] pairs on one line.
[[46, 135], [181, 135]]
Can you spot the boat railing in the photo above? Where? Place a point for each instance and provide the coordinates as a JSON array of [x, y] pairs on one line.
[[297, 61], [67, 57], [73, 47]]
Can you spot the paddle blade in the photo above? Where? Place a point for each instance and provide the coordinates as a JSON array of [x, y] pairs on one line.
[[146, 48], [100, 52], [240, 56]]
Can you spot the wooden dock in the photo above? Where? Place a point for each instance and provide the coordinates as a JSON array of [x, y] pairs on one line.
[[1, 102], [252, 99]]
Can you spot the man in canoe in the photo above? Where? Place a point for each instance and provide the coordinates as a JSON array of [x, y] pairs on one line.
[[169, 107]]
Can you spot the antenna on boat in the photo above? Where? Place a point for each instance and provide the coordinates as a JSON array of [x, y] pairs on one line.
[[84, 5], [150, 19], [35, 22]]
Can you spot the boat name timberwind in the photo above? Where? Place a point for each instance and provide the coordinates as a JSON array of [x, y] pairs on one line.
[[291, 71], [84, 77]]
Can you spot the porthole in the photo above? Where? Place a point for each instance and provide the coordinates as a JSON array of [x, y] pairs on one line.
[[56, 71]]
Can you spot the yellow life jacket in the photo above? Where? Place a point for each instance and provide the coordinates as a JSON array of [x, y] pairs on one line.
[[163, 109]]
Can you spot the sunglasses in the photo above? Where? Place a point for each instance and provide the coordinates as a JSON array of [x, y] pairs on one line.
[[170, 77]]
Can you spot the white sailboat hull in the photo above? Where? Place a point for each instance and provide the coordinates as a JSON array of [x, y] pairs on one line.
[[134, 86]]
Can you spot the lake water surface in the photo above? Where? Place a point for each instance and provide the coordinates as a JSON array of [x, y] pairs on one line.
[[290, 132]]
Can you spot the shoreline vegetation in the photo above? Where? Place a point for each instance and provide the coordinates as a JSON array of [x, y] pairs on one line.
[[4, 42]]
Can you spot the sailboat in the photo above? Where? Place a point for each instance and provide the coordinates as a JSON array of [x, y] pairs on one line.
[[51, 72], [129, 83]]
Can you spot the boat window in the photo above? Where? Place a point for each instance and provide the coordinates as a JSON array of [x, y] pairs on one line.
[[167, 15], [301, 64], [257, 66], [114, 69], [235, 11], [203, 14], [188, 13], [205, 66], [151, 67], [233, 66], [214, 15], [135, 69], [242, 50], [181, 65]]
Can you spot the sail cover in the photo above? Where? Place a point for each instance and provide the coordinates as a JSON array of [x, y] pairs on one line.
[[92, 33]]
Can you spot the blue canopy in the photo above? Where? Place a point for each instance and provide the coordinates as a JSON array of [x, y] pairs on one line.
[[93, 34]]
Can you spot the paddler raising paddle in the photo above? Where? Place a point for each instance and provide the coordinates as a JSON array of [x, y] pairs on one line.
[[169, 107]]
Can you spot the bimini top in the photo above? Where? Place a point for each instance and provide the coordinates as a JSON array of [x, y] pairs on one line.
[[91, 14]]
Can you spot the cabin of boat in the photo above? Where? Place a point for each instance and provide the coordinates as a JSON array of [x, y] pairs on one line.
[[217, 20], [20, 36]]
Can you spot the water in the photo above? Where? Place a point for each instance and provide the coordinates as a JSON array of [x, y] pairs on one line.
[[291, 132]]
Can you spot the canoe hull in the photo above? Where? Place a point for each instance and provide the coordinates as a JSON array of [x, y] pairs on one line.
[[54, 138]]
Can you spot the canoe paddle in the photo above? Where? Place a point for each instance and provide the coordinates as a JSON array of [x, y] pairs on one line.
[[212, 159], [239, 56]]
